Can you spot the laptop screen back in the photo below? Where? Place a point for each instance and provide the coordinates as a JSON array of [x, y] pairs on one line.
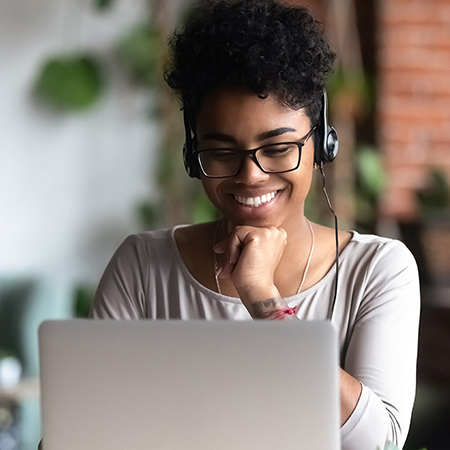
[[198, 385]]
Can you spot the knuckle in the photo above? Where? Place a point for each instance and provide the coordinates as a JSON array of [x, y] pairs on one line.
[[256, 238]]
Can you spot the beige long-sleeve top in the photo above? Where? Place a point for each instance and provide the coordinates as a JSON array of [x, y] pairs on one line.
[[376, 313]]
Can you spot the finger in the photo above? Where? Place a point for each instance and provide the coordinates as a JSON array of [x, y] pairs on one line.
[[223, 269], [235, 247], [226, 270], [232, 254], [221, 247]]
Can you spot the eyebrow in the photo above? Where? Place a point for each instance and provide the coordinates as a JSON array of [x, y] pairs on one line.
[[262, 137], [275, 133]]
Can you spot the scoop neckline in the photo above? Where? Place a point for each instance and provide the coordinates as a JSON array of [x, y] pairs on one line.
[[221, 297]]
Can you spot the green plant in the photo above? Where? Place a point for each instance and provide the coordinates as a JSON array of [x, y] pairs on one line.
[[7, 353], [138, 49], [370, 184], [84, 296], [70, 82], [76, 82], [103, 4], [353, 89], [436, 194]]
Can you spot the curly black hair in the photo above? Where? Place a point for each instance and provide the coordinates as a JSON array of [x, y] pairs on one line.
[[263, 45]]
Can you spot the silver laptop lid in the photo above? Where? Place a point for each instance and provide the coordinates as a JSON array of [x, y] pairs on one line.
[[198, 385]]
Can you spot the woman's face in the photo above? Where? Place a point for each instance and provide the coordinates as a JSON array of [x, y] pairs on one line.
[[238, 118]]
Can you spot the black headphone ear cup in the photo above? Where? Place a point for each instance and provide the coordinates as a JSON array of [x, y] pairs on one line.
[[331, 144], [326, 141], [190, 163], [187, 166], [318, 144]]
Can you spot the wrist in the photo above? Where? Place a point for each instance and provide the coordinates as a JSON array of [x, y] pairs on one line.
[[251, 295], [281, 314], [263, 308], [274, 308]]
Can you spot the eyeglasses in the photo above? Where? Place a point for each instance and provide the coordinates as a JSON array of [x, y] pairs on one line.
[[273, 158]]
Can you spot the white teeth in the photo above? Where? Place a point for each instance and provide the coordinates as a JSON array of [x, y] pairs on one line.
[[255, 201]]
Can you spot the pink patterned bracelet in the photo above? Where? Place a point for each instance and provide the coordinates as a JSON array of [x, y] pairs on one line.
[[280, 314]]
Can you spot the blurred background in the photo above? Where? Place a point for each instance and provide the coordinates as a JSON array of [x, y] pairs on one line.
[[90, 151]]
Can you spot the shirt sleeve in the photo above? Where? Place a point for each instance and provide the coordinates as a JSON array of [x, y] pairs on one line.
[[382, 353], [121, 292]]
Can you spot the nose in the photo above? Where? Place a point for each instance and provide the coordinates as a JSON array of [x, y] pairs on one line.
[[250, 173]]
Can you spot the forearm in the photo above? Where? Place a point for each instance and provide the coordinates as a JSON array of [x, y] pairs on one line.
[[350, 391], [350, 388]]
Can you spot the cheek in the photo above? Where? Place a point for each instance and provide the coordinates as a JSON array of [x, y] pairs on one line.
[[308, 183], [210, 188], [306, 170], [301, 184]]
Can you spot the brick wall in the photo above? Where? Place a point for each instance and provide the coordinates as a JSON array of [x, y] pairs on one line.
[[414, 97], [411, 61]]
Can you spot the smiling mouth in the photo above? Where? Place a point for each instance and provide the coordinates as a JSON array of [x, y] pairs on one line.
[[254, 202]]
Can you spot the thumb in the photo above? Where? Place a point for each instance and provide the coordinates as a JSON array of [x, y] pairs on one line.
[[221, 246]]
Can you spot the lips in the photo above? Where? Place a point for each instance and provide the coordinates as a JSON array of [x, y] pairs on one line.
[[254, 202]]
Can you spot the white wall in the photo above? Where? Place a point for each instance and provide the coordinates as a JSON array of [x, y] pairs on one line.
[[69, 183]]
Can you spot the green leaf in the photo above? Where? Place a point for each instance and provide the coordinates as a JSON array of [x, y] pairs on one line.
[[138, 49], [390, 446], [70, 82], [355, 85], [7, 353], [84, 296], [149, 215], [436, 195], [103, 4], [371, 171]]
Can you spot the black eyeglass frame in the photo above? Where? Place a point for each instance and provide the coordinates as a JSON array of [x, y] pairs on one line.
[[252, 154]]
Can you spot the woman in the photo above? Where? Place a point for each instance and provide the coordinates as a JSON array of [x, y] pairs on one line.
[[251, 75]]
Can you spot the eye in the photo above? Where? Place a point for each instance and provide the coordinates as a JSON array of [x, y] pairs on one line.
[[221, 154], [278, 151]]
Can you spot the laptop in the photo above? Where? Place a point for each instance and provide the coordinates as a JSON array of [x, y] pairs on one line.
[[189, 385]]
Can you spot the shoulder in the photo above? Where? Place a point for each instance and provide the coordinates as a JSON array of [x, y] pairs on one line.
[[380, 267], [149, 240], [162, 236], [375, 264], [377, 249], [123, 289], [137, 251]]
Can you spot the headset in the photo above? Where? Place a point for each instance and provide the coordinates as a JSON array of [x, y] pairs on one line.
[[191, 163], [326, 142]]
